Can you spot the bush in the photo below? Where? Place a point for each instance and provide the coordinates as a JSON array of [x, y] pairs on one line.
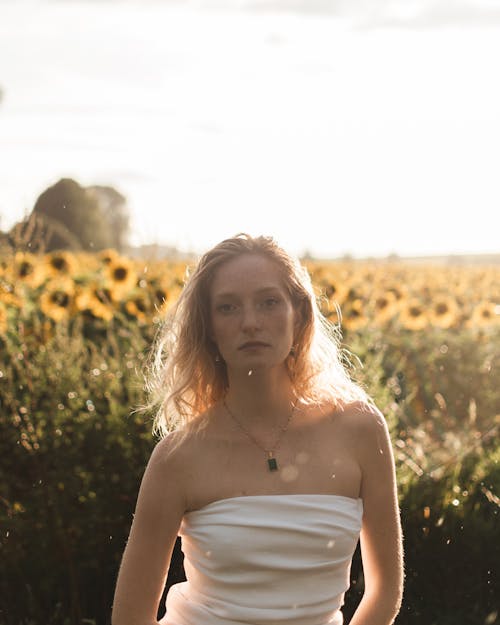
[[71, 459], [440, 396], [72, 453]]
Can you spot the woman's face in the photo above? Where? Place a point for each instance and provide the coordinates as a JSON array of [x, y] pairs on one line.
[[252, 317]]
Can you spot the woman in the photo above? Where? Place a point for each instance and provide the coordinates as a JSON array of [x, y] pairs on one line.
[[272, 462]]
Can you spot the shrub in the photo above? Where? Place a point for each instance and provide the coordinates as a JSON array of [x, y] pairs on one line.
[[72, 451]]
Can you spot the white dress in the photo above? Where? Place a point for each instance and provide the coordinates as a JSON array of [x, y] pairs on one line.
[[266, 559]]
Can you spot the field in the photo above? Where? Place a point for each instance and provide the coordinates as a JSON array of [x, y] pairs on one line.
[[74, 333]]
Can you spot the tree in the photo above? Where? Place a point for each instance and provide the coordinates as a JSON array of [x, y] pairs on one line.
[[113, 207], [69, 216]]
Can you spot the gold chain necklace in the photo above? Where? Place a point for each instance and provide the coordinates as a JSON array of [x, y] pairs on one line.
[[272, 462]]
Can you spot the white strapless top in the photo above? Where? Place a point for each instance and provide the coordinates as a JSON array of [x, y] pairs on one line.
[[262, 559]]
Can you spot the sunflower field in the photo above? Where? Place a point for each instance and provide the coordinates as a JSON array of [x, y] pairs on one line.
[[75, 330]]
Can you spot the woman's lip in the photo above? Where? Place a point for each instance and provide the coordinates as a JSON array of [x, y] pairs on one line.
[[251, 344]]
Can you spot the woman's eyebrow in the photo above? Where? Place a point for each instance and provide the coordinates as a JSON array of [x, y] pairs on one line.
[[261, 291]]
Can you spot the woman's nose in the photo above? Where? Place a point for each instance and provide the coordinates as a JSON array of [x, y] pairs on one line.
[[250, 319]]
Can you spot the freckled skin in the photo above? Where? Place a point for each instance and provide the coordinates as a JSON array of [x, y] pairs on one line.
[[248, 302]]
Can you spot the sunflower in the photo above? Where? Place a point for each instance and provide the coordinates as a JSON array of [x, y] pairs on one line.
[[368, 279], [384, 306], [88, 262], [400, 291], [353, 315], [461, 287], [26, 270], [139, 306], [57, 299], [443, 312], [108, 256], [9, 294], [96, 301], [412, 315], [159, 294], [484, 314], [3, 318], [60, 263], [331, 311], [335, 289], [174, 289], [121, 275]]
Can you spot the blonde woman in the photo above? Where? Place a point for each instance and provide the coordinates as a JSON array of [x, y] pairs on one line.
[[273, 462]]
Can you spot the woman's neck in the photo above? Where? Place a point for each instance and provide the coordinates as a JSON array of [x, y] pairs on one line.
[[262, 397]]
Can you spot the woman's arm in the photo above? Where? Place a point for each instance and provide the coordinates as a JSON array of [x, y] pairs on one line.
[[381, 537], [146, 559]]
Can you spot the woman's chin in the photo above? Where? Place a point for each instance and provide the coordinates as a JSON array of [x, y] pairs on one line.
[[256, 368]]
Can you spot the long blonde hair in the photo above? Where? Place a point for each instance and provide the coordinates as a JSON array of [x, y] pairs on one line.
[[184, 377]]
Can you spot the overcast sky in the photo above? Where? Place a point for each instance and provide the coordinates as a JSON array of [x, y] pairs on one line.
[[354, 127]]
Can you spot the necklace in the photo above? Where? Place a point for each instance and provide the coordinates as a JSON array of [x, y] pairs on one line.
[[272, 462]]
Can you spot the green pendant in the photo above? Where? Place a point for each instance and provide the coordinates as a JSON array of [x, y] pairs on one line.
[[273, 464]]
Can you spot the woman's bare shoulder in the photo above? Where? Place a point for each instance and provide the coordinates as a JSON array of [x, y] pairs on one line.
[[371, 435], [172, 448], [363, 411], [178, 446], [165, 460], [363, 419]]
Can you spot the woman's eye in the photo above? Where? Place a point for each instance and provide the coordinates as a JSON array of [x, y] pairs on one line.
[[226, 308], [271, 302]]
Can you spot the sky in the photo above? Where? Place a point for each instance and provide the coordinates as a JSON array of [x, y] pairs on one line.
[[337, 127]]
